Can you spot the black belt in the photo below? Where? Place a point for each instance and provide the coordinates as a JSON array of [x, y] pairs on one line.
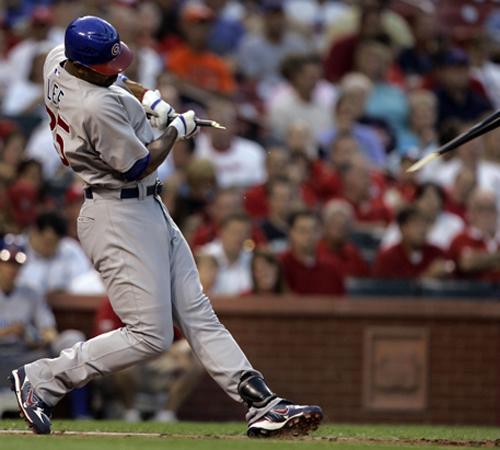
[[154, 189]]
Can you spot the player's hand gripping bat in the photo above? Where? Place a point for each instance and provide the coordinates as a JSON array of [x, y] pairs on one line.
[[489, 123], [138, 91]]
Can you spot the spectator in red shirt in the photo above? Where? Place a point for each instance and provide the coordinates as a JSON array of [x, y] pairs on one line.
[[372, 215], [340, 57], [317, 179], [226, 202], [412, 257], [403, 185], [306, 272], [255, 198], [476, 250], [25, 194], [338, 217], [443, 226], [203, 230]]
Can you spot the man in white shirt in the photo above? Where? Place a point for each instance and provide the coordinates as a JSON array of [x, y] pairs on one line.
[[238, 162], [54, 260], [260, 53], [233, 255], [305, 97]]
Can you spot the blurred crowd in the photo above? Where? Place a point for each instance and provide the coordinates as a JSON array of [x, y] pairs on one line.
[[326, 104]]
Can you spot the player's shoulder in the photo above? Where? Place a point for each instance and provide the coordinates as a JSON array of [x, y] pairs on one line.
[[98, 102], [53, 58], [98, 99]]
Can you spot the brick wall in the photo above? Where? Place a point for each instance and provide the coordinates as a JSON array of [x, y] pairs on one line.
[[317, 351]]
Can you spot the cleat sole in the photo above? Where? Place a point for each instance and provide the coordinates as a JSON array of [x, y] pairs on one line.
[[295, 427]]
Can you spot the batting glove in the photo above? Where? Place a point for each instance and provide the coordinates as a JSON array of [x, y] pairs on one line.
[[161, 113], [185, 124]]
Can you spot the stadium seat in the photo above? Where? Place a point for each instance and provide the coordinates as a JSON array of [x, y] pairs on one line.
[[458, 289]]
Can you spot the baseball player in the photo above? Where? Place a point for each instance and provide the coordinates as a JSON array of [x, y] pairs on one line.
[[102, 132]]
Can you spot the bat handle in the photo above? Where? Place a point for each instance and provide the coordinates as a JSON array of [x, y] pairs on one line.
[[204, 122]]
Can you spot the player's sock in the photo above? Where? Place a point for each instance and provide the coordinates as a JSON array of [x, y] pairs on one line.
[[254, 390]]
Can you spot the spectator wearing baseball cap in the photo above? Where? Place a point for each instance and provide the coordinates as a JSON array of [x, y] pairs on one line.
[[458, 96]]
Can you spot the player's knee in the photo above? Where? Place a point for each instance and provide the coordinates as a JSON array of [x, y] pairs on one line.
[[159, 340]]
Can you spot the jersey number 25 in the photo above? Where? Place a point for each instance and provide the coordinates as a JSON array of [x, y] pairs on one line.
[[55, 124]]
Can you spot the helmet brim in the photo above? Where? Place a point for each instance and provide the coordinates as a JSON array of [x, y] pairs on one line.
[[117, 64]]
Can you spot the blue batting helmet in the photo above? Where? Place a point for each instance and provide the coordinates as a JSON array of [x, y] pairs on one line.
[[95, 43]]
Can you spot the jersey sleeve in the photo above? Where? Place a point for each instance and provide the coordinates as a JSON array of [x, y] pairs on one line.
[[111, 134]]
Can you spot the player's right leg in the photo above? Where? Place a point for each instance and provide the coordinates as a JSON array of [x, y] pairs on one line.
[[133, 259], [268, 415]]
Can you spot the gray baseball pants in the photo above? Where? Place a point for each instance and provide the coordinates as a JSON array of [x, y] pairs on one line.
[[152, 282]]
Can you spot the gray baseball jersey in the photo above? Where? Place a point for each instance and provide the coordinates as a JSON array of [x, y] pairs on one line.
[[144, 261], [99, 131]]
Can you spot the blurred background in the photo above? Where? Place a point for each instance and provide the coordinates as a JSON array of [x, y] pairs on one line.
[[346, 280]]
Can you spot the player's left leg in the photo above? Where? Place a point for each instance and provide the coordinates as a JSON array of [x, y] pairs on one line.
[[268, 414]]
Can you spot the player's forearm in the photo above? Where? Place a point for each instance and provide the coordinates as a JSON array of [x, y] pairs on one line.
[[160, 149]]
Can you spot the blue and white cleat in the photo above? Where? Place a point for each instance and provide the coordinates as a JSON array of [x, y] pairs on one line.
[[286, 419], [33, 409]]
